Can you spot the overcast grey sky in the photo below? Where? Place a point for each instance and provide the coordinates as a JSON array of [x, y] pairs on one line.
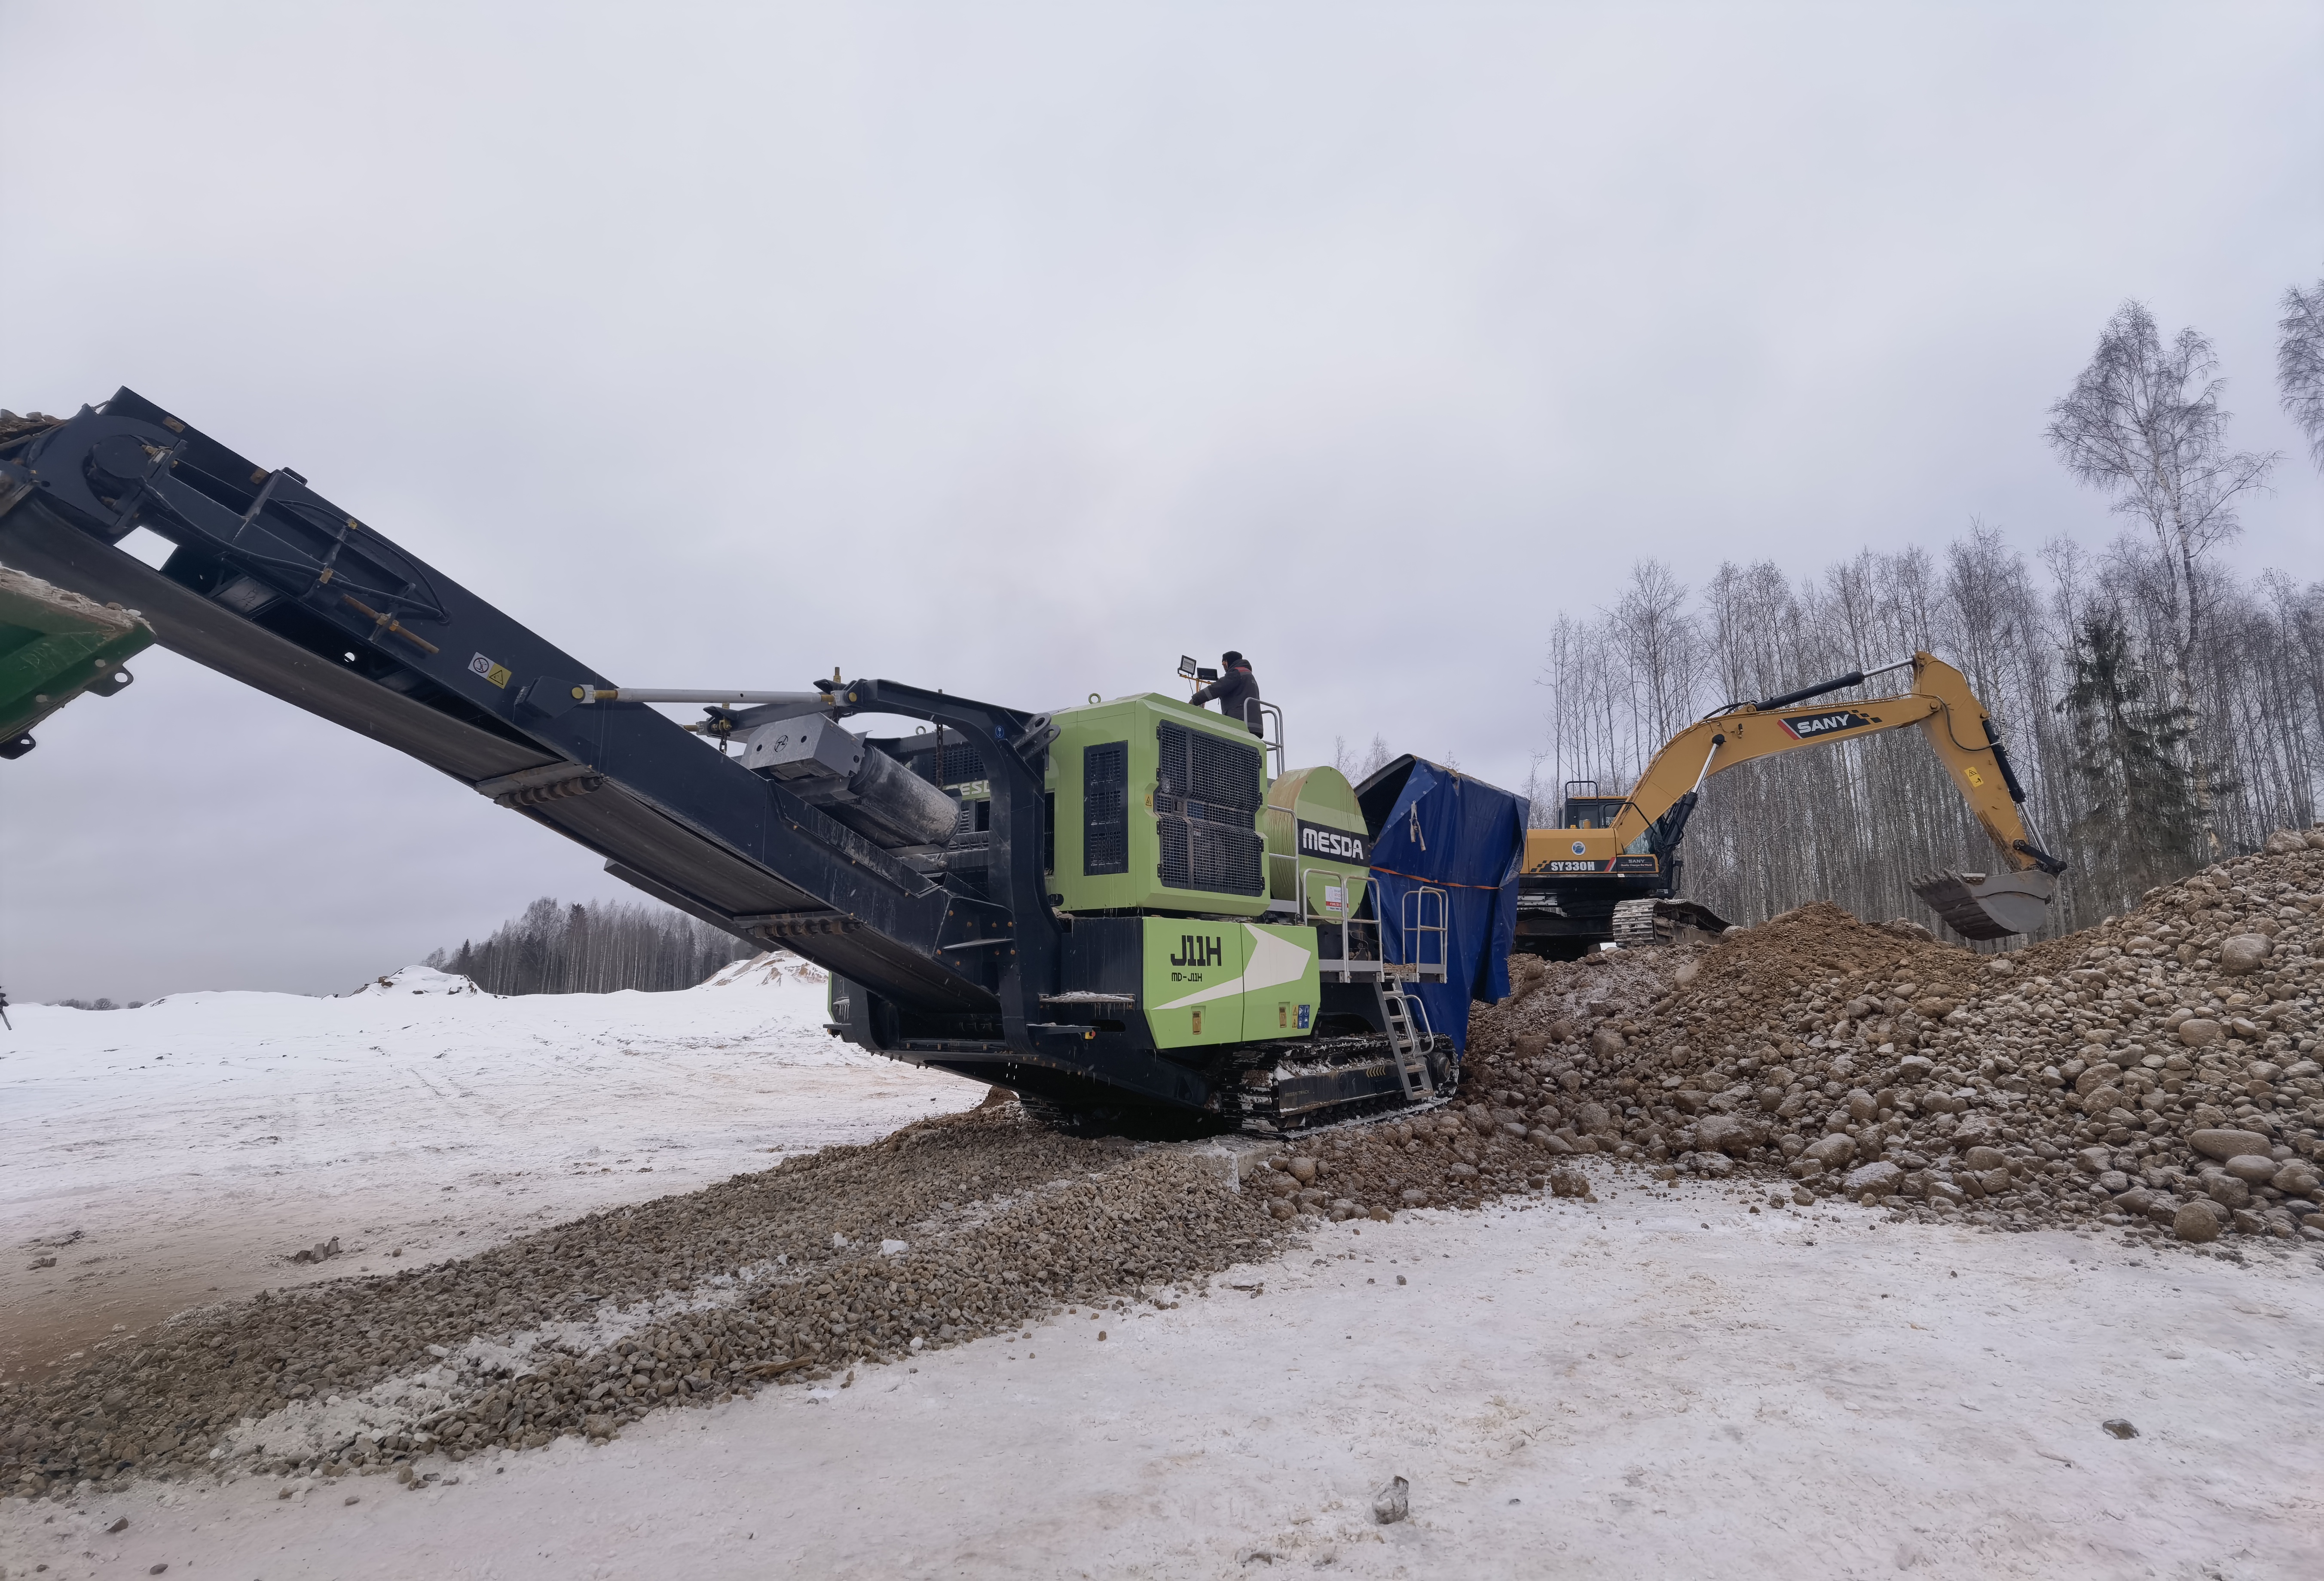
[[1017, 350]]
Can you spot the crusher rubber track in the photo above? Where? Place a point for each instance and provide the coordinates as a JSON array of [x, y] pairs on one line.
[[1280, 1089], [1639, 923]]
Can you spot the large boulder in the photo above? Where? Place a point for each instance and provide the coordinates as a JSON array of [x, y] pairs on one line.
[[2227, 1191], [2297, 1178], [1877, 1179], [2197, 1221], [1724, 1134], [2224, 1145], [2244, 953], [1833, 1151]]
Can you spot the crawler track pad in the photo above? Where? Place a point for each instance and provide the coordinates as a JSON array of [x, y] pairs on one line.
[[1979, 905], [1639, 923]]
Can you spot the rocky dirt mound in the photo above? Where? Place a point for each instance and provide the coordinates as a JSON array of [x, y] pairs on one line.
[[946, 1230], [13, 427], [2155, 1072]]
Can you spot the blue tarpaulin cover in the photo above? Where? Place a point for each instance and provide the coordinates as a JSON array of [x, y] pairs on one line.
[[1431, 825]]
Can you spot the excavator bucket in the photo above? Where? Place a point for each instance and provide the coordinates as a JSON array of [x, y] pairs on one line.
[[1982, 906]]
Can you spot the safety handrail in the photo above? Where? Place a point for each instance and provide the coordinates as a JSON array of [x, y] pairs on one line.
[[1419, 904], [1337, 909], [1271, 746]]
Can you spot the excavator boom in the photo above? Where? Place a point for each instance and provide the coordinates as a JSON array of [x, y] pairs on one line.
[[1638, 836]]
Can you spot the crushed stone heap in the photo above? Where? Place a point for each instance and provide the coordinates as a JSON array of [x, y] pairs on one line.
[[15, 426], [944, 1231], [2156, 1072]]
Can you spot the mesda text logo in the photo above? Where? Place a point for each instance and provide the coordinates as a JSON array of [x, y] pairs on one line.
[[1808, 726], [1196, 950], [1315, 840]]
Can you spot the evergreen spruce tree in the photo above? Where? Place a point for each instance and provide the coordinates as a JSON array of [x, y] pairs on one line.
[[2140, 814]]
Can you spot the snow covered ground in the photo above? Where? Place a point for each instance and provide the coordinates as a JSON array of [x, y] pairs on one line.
[[1663, 1382], [178, 1154], [1662, 1385]]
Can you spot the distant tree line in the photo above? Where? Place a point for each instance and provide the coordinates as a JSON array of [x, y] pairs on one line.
[[596, 948], [2161, 711]]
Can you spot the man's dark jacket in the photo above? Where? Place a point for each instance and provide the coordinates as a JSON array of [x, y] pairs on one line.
[[1231, 692]]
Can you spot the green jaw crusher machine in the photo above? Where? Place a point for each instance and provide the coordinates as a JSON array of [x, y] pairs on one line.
[[1129, 913], [1216, 928]]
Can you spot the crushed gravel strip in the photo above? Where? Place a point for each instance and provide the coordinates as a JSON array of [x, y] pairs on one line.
[[946, 1230]]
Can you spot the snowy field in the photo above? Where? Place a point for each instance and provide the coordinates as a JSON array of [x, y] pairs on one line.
[[179, 1154], [1664, 1384]]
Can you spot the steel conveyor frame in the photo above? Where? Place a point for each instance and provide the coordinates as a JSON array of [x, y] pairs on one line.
[[276, 586]]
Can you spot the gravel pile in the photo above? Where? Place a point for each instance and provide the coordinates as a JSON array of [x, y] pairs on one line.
[[948, 1230], [944, 1231], [13, 427], [2156, 1072]]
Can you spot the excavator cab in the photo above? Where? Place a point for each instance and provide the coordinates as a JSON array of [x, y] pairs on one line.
[[1586, 809]]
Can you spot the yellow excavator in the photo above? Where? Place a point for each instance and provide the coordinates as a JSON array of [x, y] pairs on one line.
[[1611, 875]]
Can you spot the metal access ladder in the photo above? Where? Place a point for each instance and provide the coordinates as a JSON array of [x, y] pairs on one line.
[[1410, 1038]]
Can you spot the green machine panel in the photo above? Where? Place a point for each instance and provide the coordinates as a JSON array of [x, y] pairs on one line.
[[1317, 846], [1213, 981], [1156, 809], [54, 646]]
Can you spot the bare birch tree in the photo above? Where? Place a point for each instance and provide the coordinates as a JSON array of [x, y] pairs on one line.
[[2143, 423], [2299, 364], [1855, 820], [598, 948]]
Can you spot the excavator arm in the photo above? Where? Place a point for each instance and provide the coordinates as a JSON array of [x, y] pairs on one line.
[[1978, 906]]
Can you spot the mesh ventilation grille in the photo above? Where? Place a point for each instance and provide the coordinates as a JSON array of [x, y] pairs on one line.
[[1105, 809], [1206, 799], [960, 766]]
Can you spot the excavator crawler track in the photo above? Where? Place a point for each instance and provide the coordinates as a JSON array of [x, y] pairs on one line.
[[1641, 924]]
